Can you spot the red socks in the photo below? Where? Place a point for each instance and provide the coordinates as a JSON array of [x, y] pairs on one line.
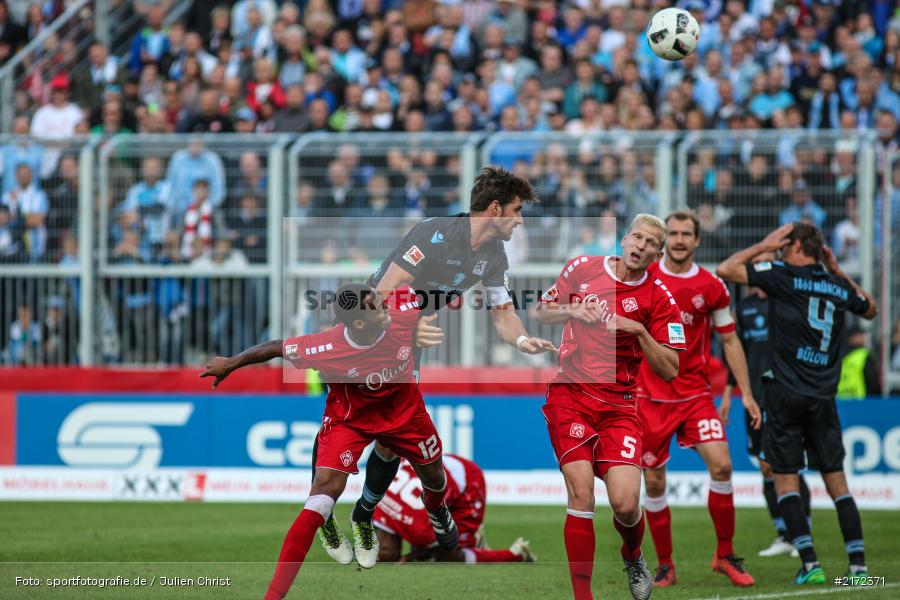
[[580, 543], [433, 499], [659, 518], [479, 555], [721, 509], [296, 544], [632, 536]]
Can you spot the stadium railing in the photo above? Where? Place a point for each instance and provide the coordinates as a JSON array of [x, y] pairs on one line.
[[888, 230], [147, 295]]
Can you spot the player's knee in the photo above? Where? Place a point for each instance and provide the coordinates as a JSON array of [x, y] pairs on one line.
[[627, 508], [388, 554], [766, 469], [329, 482], [655, 485], [720, 470], [581, 497], [432, 478]]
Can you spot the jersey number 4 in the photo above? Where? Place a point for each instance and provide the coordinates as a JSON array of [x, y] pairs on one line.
[[823, 323]]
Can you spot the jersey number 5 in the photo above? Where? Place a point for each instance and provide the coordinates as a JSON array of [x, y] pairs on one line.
[[629, 443], [823, 323]]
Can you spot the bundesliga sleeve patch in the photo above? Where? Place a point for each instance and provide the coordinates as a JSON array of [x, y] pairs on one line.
[[290, 350], [414, 256], [763, 266], [550, 295], [676, 333]]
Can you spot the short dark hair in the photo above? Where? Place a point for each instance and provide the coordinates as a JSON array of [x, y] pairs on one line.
[[812, 242], [686, 215], [349, 303], [496, 183]]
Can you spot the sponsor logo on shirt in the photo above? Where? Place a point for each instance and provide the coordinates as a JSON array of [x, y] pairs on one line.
[[414, 256], [583, 287], [576, 430], [437, 238], [676, 333], [479, 267], [629, 305], [454, 262], [698, 301], [346, 458]]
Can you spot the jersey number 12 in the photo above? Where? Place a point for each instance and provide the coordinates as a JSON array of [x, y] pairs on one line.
[[823, 323]]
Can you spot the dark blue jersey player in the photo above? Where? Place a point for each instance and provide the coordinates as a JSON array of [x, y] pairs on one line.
[[809, 296]]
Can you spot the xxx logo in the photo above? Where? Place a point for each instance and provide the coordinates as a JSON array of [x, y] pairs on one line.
[[346, 458], [576, 430]]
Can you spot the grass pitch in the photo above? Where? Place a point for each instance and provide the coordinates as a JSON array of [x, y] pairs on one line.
[[241, 541]]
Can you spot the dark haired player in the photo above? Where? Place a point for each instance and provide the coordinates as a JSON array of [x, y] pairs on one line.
[[367, 360], [752, 327], [401, 517], [440, 258], [808, 298]]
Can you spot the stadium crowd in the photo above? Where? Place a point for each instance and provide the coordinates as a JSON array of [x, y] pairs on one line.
[[261, 67]]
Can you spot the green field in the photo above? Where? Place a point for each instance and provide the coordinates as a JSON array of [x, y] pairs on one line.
[[241, 541]]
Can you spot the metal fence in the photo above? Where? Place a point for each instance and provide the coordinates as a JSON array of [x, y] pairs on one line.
[[183, 250]]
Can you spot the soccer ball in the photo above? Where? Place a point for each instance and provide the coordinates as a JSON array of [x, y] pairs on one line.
[[673, 33]]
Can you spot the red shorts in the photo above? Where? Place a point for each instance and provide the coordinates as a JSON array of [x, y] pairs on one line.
[[605, 437], [402, 513], [695, 422], [341, 444]]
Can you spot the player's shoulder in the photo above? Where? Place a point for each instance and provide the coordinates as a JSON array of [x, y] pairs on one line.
[[712, 280], [403, 299], [659, 289], [581, 263], [318, 344]]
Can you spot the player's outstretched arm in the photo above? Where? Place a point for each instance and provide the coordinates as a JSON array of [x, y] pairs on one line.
[[553, 313], [511, 330], [221, 367], [734, 268], [663, 360]]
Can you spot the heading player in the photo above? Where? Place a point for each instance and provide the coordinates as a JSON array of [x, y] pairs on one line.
[[401, 517], [809, 295], [616, 316], [752, 327], [367, 358], [685, 405], [442, 257]]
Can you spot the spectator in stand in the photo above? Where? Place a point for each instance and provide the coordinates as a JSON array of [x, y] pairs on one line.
[[58, 119], [151, 199], [258, 40], [111, 121], [208, 118], [845, 240], [58, 334], [249, 225], [190, 165], [62, 192], [291, 57], [512, 18], [803, 207], [21, 151], [240, 24], [24, 347], [264, 86], [348, 60], [103, 70], [152, 43], [10, 32], [198, 220], [10, 237]]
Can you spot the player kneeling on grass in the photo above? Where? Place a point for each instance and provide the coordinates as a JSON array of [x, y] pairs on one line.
[[615, 316], [809, 296], [367, 359], [401, 517]]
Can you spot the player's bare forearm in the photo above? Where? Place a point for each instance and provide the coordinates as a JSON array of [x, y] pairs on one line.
[[872, 311], [737, 361], [734, 268], [511, 330], [663, 360], [507, 323], [393, 278], [221, 367]]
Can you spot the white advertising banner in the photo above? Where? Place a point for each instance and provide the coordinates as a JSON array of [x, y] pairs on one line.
[[538, 487]]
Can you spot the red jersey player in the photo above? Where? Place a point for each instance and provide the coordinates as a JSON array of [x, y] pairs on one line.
[[616, 317], [401, 517], [367, 360], [685, 406]]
